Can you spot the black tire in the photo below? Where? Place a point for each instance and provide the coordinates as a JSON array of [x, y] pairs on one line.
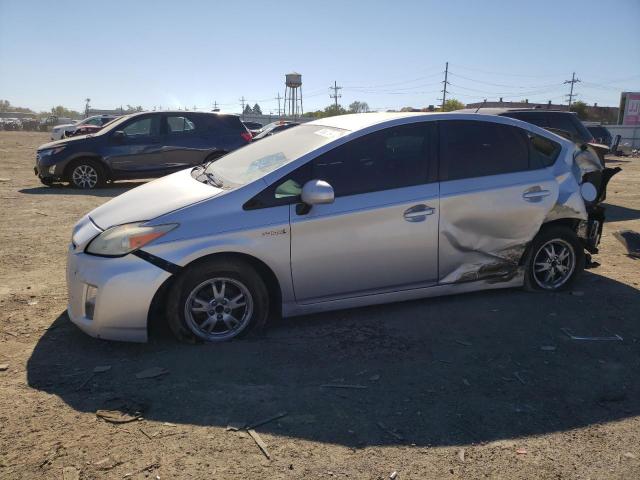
[[555, 239], [187, 325], [86, 174], [46, 181]]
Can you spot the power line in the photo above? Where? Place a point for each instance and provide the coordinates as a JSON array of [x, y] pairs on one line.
[[573, 81]]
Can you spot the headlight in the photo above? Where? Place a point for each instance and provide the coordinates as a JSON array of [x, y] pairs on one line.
[[51, 151], [123, 239]]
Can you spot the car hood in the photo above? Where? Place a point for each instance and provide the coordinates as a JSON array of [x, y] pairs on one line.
[[153, 199], [64, 125], [65, 141]]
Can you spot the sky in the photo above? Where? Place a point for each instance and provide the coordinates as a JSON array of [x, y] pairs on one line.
[[389, 54]]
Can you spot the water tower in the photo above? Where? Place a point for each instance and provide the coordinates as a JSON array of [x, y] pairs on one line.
[[293, 95]]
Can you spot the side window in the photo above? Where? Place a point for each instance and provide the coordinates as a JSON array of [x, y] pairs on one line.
[[392, 158], [563, 121], [176, 124], [535, 118], [144, 127], [95, 121], [282, 192], [471, 149], [542, 152]]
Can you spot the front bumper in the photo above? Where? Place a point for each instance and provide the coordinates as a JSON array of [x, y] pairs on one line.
[[125, 289]]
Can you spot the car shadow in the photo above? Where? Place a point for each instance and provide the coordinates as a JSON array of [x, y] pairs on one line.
[[111, 190], [616, 213], [445, 371]]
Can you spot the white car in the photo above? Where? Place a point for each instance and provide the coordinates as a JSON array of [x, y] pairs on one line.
[[60, 131]]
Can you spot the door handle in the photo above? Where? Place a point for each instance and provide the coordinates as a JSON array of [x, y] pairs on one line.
[[535, 194], [418, 213]]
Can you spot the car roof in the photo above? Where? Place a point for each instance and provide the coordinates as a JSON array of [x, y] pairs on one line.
[[499, 111], [359, 121]]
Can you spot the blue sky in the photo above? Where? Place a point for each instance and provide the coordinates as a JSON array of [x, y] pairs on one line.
[[387, 53]]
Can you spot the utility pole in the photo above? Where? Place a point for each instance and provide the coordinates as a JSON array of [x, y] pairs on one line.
[[573, 81], [335, 95], [242, 102], [278, 98], [86, 107], [215, 107], [445, 83]]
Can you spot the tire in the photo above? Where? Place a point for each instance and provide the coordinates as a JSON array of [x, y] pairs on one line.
[[199, 312], [555, 259], [46, 181], [86, 174]]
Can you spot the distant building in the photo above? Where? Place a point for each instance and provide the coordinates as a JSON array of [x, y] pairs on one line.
[[595, 113]]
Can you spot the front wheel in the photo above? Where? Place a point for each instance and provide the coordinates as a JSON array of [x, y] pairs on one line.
[[555, 259], [217, 301], [86, 175]]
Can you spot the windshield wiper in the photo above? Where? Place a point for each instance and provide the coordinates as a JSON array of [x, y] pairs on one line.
[[213, 179]]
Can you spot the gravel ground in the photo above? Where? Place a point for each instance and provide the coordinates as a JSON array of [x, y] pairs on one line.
[[469, 386]]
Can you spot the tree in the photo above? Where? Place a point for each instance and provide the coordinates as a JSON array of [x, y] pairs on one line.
[[61, 111], [358, 107], [247, 110], [452, 104], [256, 109], [581, 109]]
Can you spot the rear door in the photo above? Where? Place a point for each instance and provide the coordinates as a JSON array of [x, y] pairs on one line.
[[184, 141], [381, 232], [139, 151], [494, 196]]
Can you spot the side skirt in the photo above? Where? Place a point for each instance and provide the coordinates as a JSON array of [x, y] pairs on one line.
[[292, 309]]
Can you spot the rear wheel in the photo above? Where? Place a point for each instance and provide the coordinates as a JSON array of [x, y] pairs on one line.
[[86, 175], [217, 301], [555, 259]]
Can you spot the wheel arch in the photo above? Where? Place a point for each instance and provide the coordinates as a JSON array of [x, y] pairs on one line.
[[571, 223], [156, 321], [66, 173]]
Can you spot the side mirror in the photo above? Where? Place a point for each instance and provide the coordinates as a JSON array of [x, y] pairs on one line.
[[314, 192], [118, 136], [317, 192]]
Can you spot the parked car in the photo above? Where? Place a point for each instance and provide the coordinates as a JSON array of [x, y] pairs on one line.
[[253, 127], [600, 134], [340, 212], [273, 128], [88, 128], [61, 131], [141, 145]]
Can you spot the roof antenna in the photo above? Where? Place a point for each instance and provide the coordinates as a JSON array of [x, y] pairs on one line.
[[482, 105]]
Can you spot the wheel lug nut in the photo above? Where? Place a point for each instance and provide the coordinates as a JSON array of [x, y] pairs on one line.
[[219, 317]]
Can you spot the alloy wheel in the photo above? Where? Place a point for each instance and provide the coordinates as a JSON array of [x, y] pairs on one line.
[[84, 176], [554, 264], [218, 309]]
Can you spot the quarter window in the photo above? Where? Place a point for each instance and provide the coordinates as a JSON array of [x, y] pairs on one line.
[[475, 149], [179, 125], [392, 158]]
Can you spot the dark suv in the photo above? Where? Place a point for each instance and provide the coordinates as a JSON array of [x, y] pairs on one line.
[[558, 121], [141, 145]]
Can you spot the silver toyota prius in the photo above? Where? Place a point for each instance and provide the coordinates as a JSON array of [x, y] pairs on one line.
[[341, 212]]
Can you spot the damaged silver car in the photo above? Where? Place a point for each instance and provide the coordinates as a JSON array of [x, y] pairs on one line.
[[338, 213]]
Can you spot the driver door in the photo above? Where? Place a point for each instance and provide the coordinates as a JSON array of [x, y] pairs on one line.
[[139, 152]]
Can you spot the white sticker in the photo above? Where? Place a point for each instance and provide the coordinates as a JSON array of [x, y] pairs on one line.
[[329, 133]]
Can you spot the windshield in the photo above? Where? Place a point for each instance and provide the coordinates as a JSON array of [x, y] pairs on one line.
[[260, 158], [113, 123]]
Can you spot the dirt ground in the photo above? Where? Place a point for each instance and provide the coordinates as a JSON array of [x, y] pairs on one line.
[[482, 385]]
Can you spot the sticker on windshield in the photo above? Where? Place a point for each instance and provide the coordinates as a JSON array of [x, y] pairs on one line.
[[329, 133]]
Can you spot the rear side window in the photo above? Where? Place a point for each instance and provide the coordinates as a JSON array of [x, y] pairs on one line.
[[542, 152], [392, 158], [227, 122], [476, 149], [564, 121], [179, 124]]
